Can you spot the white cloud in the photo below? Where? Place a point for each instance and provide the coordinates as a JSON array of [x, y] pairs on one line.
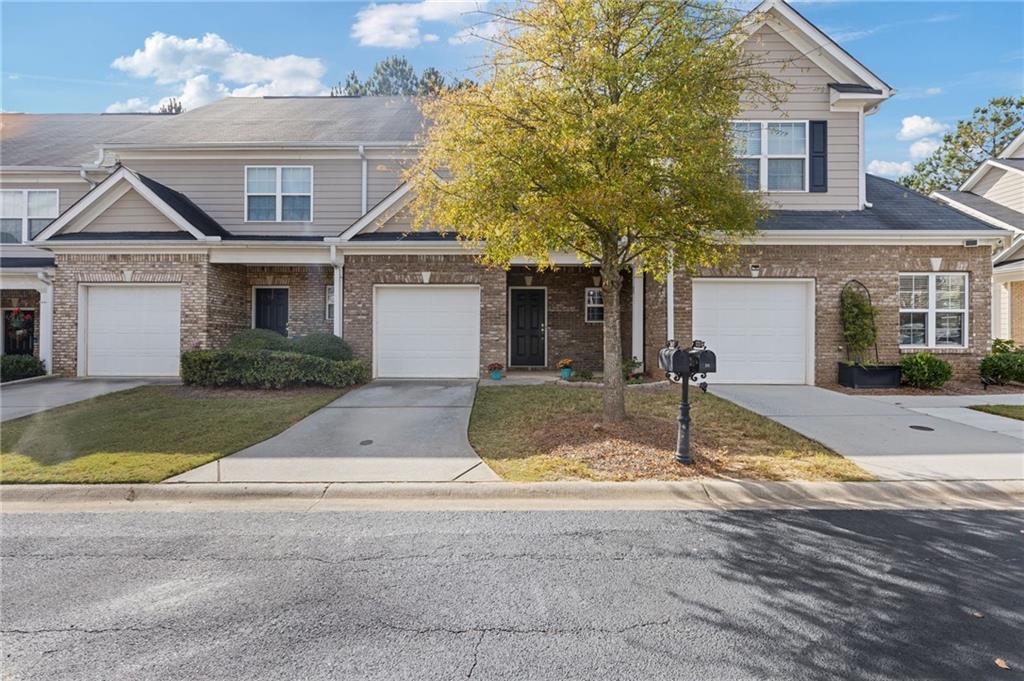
[[483, 31], [891, 169], [206, 68], [923, 148], [932, 91], [397, 25], [915, 127], [131, 105]]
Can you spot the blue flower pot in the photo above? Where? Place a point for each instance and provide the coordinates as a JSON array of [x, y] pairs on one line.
[[566, 373], [496, 375]]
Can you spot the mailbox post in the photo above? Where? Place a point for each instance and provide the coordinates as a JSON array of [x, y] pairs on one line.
[[683, 366]]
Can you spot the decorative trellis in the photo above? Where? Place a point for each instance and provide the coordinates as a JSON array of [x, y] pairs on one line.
[[860, 288]]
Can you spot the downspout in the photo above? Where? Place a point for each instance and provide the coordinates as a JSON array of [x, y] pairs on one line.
[[338, 262], [85, 176], [362, 156]]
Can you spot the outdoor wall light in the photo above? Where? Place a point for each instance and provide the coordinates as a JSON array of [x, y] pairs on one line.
[[936, 264], [597, 281], [755, 271], [426, 277], [528, 279]]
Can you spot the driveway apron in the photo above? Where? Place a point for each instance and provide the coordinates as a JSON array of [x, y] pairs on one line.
[[889, 440], [388, 431]]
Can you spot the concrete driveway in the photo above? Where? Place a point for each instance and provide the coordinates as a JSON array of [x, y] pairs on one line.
[[388, 431], [887, 437], [22, 399]]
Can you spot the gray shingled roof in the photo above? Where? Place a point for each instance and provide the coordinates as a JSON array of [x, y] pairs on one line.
[[62, 140], [987, 206], [895, 208], [288, 120]]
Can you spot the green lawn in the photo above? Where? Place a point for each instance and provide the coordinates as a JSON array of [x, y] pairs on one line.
[[147, 434], [1010, 411], [555, 433]]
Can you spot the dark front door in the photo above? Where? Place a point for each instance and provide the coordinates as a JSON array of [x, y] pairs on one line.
[[272, 309], [527, 327]]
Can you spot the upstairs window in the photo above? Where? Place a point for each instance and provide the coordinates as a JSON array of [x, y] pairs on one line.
[[26, 212], [278, 193], [933, 310], [771, 155]]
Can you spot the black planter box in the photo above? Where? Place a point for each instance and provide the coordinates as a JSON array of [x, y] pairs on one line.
[[874, 376]]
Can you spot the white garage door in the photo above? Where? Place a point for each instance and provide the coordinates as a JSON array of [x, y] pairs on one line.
[[426, 331], [133, 330], [759, 330]]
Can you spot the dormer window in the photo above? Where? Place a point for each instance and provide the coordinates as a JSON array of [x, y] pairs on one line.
[[772, 155], [278, 194]]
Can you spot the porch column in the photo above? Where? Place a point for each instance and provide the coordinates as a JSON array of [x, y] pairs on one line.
[[45, 289], [339, 298], [998, 292], [637, 332], [670, 301]]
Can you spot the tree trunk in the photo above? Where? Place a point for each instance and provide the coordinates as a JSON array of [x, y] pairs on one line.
[[614, 396]]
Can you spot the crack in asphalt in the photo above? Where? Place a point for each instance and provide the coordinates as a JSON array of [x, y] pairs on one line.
[[476, 652], [79, 630], [523, 630]]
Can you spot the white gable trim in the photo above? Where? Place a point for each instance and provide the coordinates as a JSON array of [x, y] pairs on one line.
[[1013, 146], [824, 45], [372, 215], [109, 191], [983, 169]]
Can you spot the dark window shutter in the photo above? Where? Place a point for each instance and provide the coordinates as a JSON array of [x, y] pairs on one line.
[[819, 156]]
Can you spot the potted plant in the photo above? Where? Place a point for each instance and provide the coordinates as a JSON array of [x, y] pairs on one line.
[[20, 321], [565, 368], [860, 335], [495, 369]]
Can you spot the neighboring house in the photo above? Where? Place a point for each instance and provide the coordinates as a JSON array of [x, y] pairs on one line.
[[290, 214], [994, 193]]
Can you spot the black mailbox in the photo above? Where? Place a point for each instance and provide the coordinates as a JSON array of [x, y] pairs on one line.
[[686, 362]]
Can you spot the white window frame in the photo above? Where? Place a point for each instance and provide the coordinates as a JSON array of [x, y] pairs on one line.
[[25, 236], [587, 305], [278, 193], [764, 156], [932, 311], [329, 302]]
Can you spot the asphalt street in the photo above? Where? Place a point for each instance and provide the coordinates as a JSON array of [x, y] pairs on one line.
[[514, 595]]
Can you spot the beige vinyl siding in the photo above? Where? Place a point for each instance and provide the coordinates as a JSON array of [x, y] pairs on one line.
[[399, 222], [1005, 187], [383, 177], [808, 99], [130, 213], [218, 187]]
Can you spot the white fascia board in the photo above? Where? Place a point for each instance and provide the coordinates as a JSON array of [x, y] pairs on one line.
[[1013, 147], [268, 254], [999, 164], [1010, 252], [797, 237], [979, 173], [974, 213], [107, 185], [1011, 271], [127, 247], [376, 212], [408, 248]]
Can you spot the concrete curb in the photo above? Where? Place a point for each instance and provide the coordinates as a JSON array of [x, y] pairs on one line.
[[702, 494]]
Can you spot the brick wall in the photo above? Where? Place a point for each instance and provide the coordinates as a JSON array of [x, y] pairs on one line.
[[363, 271], [229, 309], [25, 299], [831, 267], [307, 288], [568, 332], [1017, 311]]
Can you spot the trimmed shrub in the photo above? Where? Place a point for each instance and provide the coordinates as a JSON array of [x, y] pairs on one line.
[[14, 367], [925, 370], [1000, 345], [258, 339], [858, 319], [1003, 367], [325, 345], [268, 369]]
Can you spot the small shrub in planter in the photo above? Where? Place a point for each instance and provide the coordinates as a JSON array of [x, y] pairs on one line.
[[15, 367], [565, 368], [325, 345], [1000, 368], [495, 368], [268, 369], [925, 370], [258, 339]]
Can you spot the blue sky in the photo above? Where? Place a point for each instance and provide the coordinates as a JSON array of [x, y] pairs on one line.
[[944, 58]]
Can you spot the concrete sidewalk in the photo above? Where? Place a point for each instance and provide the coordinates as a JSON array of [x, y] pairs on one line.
[[697, 494], [388, 431], [885, 438]]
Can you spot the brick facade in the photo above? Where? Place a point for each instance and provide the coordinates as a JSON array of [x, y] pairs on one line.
[[307, 291], [568, 332], [362, 272], [24, 299], [831, 267]]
